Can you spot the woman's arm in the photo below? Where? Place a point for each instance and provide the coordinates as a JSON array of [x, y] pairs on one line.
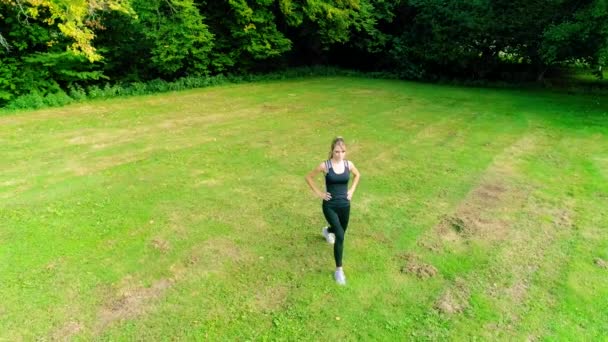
[[310, 179], [356, 177]]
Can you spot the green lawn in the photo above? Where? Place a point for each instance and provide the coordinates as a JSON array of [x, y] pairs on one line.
[[481, 214]]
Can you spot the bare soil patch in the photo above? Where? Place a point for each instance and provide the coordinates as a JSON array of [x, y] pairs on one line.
[[472, 218], [66, 332], [270, 299], [601, 263], [131, 302], [85, 167], [455, 299], [516, 293], [477, 217], [128, 300], [161, 245], [413, 265], [208, 257]]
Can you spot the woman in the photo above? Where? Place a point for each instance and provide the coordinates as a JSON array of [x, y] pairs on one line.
[[336, 198]]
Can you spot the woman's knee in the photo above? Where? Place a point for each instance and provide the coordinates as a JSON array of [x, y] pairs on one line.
[[339, 235]]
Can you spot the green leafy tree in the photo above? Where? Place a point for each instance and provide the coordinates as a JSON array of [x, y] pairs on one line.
[[179, 40], [47, 44], [483, 38], [246, 34], [580, 35], [73, 18]]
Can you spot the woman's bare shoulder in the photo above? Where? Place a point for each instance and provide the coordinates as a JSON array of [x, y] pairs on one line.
[[323, 166]]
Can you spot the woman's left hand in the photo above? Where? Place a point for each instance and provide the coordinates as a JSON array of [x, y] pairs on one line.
[[349, 195]]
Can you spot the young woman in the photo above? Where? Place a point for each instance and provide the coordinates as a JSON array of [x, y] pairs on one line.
[[336, 198]]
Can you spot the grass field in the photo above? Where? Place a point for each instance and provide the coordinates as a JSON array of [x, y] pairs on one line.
[[481, 214]]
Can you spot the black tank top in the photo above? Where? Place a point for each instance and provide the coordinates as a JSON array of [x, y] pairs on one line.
[[337, 185]]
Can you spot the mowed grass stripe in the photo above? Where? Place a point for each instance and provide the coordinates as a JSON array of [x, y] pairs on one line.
[[547, 223]]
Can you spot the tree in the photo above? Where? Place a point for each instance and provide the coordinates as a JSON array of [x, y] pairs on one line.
[[246, 34], [581, 34], [74, 18], [177, 40]]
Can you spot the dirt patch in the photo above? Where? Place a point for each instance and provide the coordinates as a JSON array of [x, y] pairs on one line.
[[533, 338], [432, 246], [454, 299], [473, 219], [11, 182], [365, 204], [270, 108], [53, 265], [161, 245], [127, 301], [13, 188], [179, 221], [436, 132], [130, 303], [517, 291], [85, 167], [211, 256], [87, 163], [66, 332], [491, 192], [600, 263], [521, 256], [374, 236], [456, 223], [111, 243], [207, 183], [101, 138], [563, 219], [215, 252], [478, 215], [111, 137], [270, 299], [414, 266]]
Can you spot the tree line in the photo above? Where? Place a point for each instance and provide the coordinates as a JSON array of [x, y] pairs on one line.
[[49, 45]]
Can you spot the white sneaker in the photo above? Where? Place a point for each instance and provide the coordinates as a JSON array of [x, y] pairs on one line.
[[329, 237], [340, 277]]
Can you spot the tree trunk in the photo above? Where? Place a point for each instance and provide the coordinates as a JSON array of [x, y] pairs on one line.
[[541, 75]]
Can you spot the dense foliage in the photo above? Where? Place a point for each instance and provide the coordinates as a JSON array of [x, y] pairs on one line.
[[49, 46]]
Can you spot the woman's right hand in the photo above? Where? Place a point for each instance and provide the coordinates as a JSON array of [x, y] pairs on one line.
[[326, 196]]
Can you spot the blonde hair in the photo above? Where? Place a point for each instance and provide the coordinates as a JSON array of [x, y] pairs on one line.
[[338, 141]]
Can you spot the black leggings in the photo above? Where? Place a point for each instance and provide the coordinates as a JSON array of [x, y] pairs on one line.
[[337, 217]]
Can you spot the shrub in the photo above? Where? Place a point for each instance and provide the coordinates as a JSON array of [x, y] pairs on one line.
[[94, 92], [32, 100], [57, 99], [77, 92]]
